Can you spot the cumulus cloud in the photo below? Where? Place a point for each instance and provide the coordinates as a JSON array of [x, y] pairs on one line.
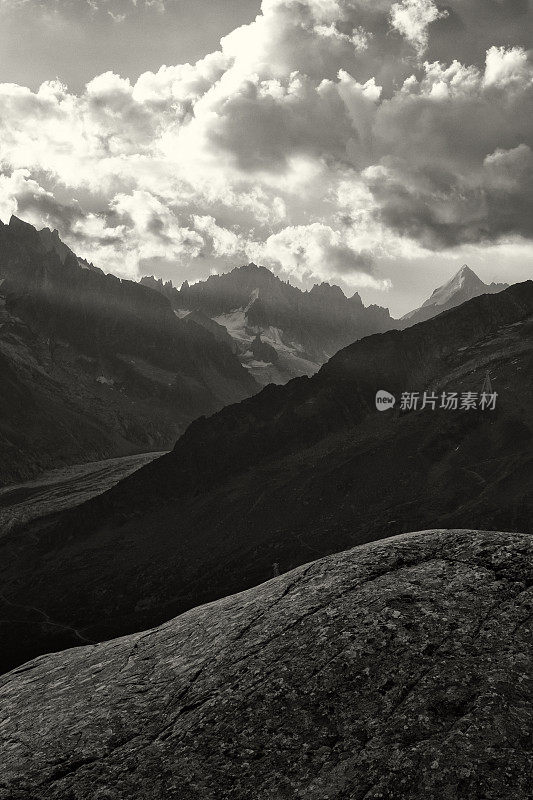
[[314, 140], [412, 19], [439, 141], [221, 241], [507, 68], [23, 196], [318, 251], [18, 191]]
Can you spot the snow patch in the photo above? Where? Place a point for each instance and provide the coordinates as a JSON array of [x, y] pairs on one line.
[[291, 358]]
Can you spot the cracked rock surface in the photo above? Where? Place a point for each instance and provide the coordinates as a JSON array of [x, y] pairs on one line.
[[398, 669]]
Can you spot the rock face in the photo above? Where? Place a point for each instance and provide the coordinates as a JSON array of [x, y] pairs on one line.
[[92, 366], [295, 472], [399, 670]]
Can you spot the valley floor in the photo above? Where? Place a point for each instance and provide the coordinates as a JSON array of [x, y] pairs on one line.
[[59, 489]]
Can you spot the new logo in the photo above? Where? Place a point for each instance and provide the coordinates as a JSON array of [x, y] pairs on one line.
[[384, 400]]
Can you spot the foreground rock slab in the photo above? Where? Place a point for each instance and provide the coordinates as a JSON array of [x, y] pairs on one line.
[[398, 669]]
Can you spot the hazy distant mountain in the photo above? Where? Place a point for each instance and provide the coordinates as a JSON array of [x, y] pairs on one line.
[[464, 285], [92, 366], [279, 331], [398, 669], [293, 473]]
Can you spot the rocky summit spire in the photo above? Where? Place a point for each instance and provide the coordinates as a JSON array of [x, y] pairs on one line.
[[463, 286]]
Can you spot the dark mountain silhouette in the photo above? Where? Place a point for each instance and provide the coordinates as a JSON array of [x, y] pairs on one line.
[[294, 472], [92, 366], [464, 286], [397, 669], [304, 329]]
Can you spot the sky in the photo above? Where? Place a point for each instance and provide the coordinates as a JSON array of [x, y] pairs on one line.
[[376, 144]]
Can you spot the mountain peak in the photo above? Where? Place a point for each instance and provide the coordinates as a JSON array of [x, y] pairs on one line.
[[17, 224], [463, 286], [326, 288], [465, 274], [51, 241], [255, 268], [356, 299], [465, 270]]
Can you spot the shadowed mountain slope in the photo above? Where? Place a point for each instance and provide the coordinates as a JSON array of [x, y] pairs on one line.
[[293, 473], [400, 669], [92, 366]]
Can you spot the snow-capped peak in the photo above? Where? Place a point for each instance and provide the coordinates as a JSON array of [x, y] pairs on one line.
[[464, 281]]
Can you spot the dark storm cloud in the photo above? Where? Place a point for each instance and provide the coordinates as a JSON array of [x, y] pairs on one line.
[[443, 210], [455, 154], [263, 126]]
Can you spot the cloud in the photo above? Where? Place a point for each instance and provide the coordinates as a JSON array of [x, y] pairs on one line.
[[314, 139], [18, 191], [222, 242], [440, 140], [25, 197], [412, 19], [307, 252], [506, 69]]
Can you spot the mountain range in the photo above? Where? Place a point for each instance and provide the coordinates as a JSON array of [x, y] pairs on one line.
[[294, 472], [96, 367], [278, 331], [92, 366]]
